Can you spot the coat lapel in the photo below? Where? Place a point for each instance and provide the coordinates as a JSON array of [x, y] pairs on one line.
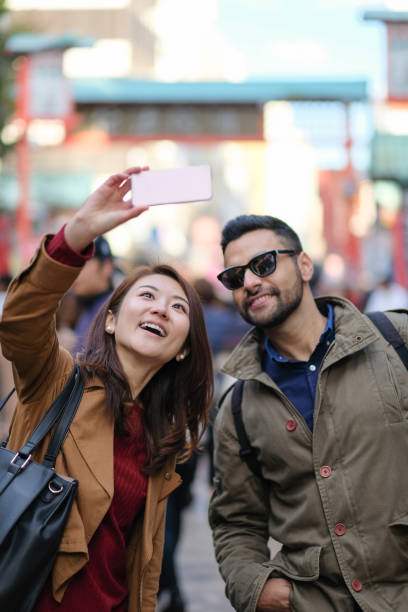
[[159, 488], [93, 432]]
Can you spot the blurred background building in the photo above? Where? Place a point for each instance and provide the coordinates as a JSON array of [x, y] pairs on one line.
[[105, 84]]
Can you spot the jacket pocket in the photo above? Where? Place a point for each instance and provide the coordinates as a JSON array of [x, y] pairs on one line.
[[387, 387], [301, 564], [399, 534]]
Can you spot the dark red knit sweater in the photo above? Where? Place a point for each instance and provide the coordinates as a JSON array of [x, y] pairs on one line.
[[101, 586]]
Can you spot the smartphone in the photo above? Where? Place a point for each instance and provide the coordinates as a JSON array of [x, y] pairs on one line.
[[172, 186]]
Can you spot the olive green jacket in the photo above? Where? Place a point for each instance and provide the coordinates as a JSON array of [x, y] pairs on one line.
[[41, 368], [337, 498]]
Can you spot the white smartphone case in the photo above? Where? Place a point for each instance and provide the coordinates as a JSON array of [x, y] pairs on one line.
[[172, 186]]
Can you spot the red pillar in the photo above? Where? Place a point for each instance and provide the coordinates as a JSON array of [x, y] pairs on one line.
[[23, 222], [398, 242]]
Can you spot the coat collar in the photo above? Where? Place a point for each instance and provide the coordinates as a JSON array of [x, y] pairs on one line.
[[353, 332]]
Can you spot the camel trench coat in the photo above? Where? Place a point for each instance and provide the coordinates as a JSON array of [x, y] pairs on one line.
[[41, 368]]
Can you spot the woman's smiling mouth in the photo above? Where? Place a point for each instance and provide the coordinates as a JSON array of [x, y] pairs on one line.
[[153, 328]]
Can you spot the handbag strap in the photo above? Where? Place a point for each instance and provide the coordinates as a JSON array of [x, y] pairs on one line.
[[6, 399], [64, 406], [68, 414], [50, 417]]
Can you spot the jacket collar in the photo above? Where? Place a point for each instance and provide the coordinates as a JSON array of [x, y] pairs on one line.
[[353, 332]]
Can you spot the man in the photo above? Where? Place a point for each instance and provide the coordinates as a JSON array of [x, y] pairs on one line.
[[91, 288], [325, 408]]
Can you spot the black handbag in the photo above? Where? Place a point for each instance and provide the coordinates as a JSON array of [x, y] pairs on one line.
[[35, 503]]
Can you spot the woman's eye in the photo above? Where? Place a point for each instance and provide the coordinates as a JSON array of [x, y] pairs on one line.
[[180, 307], [147, 294]]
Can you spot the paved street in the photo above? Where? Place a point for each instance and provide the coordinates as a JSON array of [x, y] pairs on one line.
[[202, 585]]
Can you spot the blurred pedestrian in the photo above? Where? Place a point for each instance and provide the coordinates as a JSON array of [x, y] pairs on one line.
[[324, 407], [179, 500], [92, 287], [225, 328], [224, 325], [387, 295], [147, 372]]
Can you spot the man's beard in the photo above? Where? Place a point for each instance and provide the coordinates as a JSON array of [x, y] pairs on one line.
[[283, 308]]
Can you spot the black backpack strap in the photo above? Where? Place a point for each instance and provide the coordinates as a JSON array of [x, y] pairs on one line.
[[382, 322], [246, 451], [216, 409]]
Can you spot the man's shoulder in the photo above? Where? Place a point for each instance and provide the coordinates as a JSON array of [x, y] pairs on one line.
[[221, 413], [399, 318]]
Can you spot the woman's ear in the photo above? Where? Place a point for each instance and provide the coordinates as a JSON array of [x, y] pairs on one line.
[[110, 323], [183, 353]]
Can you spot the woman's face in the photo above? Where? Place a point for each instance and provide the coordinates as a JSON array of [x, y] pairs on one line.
[[152, 322]]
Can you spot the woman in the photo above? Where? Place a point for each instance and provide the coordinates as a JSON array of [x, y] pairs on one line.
[[148, 384]]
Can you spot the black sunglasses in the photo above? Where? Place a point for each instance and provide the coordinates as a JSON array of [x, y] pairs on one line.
[[262, 265]]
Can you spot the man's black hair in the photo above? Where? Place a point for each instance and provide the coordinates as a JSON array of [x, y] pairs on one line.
[[248, 223], [102, 249]]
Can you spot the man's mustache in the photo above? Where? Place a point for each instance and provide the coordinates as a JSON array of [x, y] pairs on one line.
[[273, 291]]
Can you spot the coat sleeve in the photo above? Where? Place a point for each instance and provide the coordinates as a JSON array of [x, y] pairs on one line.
[[238, 516], [28, 330]]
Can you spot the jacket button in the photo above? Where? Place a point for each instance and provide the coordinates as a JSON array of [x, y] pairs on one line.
[[340, 529], [291, 425], [356, 585], [167, 476], [325, 471]]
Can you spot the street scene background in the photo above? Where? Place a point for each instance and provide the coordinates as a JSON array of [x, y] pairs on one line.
[[299, 108]]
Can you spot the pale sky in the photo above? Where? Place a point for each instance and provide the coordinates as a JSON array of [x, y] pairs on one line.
[[308, 38], [259, 39]]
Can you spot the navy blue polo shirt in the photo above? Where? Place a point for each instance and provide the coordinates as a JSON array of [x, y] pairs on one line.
[[298, 379]]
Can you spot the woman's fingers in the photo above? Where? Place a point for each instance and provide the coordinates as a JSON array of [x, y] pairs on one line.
[[120, 177], [116, 179], [135, 211], [103, 210], [136, 169], [125, 187], [123, 179]]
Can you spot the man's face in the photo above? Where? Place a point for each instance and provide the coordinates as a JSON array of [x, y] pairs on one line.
[[94, 278], [265, 302]]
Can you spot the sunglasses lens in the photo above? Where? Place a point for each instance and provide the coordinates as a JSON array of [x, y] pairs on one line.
[[232, 279], [264, 264]]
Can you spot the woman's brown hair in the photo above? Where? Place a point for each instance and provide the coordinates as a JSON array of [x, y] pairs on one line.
[[177, 399]]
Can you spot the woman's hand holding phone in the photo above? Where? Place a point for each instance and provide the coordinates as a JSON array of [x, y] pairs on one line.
[[106, 207], [103, 210]]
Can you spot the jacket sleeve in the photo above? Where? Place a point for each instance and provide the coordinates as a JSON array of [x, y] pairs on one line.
[[27, 329], [238, 516]]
